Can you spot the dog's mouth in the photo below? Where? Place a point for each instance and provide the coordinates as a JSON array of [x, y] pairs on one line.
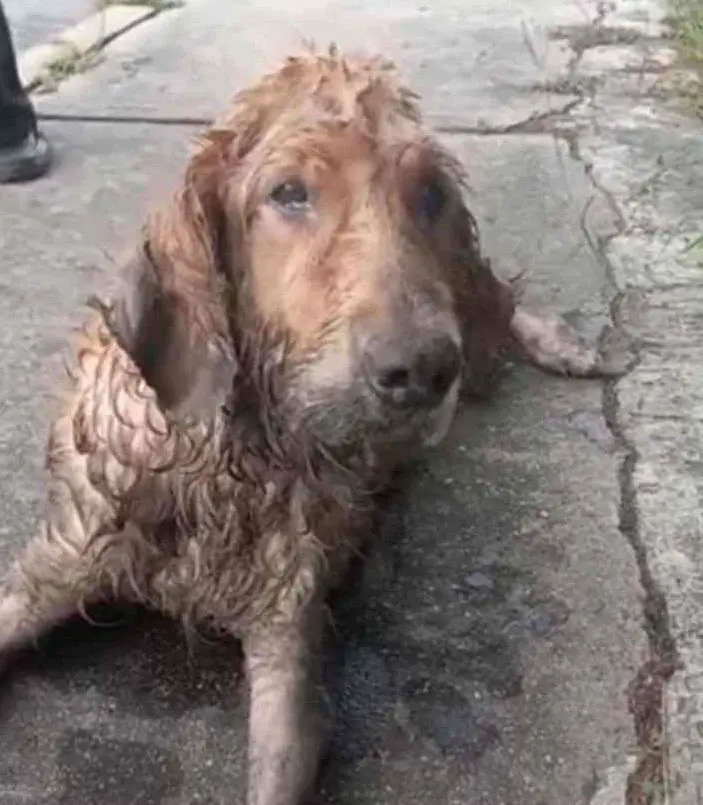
[[401, 400], [343, 420]]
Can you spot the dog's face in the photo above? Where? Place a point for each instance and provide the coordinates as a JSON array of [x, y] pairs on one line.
[[321, 253]]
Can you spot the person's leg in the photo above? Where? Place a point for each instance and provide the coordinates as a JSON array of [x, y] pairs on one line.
[[24, 153]]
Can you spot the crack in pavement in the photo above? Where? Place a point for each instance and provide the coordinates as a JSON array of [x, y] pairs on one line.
[[650, 776], [128, 119], [581, 38], [650, 780], [533, 124], [585, 37]]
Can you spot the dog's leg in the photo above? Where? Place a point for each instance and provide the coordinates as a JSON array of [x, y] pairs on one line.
[[47, 585], [552, 344], [52, 580], [287, 720], [25, 613], [58, 572]]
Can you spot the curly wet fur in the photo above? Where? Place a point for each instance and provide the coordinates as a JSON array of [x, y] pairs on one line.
[[205, 520], [210, 458]]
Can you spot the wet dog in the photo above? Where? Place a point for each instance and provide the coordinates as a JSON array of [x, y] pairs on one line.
[[299, 320]]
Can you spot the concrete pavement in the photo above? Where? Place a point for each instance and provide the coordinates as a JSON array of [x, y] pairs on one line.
[[528, 630], [33, 21]]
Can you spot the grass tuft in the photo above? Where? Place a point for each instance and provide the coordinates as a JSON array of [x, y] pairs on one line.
[[686, 80], [65, 66], [688, 25]]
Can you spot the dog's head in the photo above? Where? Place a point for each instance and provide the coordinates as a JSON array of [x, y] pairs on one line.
[[319, 258]]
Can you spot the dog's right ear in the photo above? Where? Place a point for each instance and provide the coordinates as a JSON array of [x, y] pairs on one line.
[[187, 362], [174, 311]]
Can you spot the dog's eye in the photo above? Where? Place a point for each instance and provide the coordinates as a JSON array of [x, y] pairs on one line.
[[432, 201], [292, 196]]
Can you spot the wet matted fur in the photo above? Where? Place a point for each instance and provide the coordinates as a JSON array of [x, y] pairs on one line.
[[229, 395]]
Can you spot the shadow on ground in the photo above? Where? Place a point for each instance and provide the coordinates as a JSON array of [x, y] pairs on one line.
[[448, 642]]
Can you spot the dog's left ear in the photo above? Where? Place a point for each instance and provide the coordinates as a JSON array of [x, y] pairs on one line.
[[485, 307]]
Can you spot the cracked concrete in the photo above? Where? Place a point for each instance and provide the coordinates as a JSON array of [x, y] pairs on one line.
[[639, 150], [528, 628]]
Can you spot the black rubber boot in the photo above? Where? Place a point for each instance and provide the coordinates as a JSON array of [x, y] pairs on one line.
[[26, 161], [24, 153]]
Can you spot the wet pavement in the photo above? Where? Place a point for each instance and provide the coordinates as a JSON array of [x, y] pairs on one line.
[[524, 631]]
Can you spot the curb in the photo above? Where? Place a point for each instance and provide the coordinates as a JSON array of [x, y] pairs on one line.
[[76, 48]]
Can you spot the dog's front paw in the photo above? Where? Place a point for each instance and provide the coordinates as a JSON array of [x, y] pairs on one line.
[[551, 343]]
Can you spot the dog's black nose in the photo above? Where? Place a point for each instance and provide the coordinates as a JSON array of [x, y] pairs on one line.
[[413, 372]]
